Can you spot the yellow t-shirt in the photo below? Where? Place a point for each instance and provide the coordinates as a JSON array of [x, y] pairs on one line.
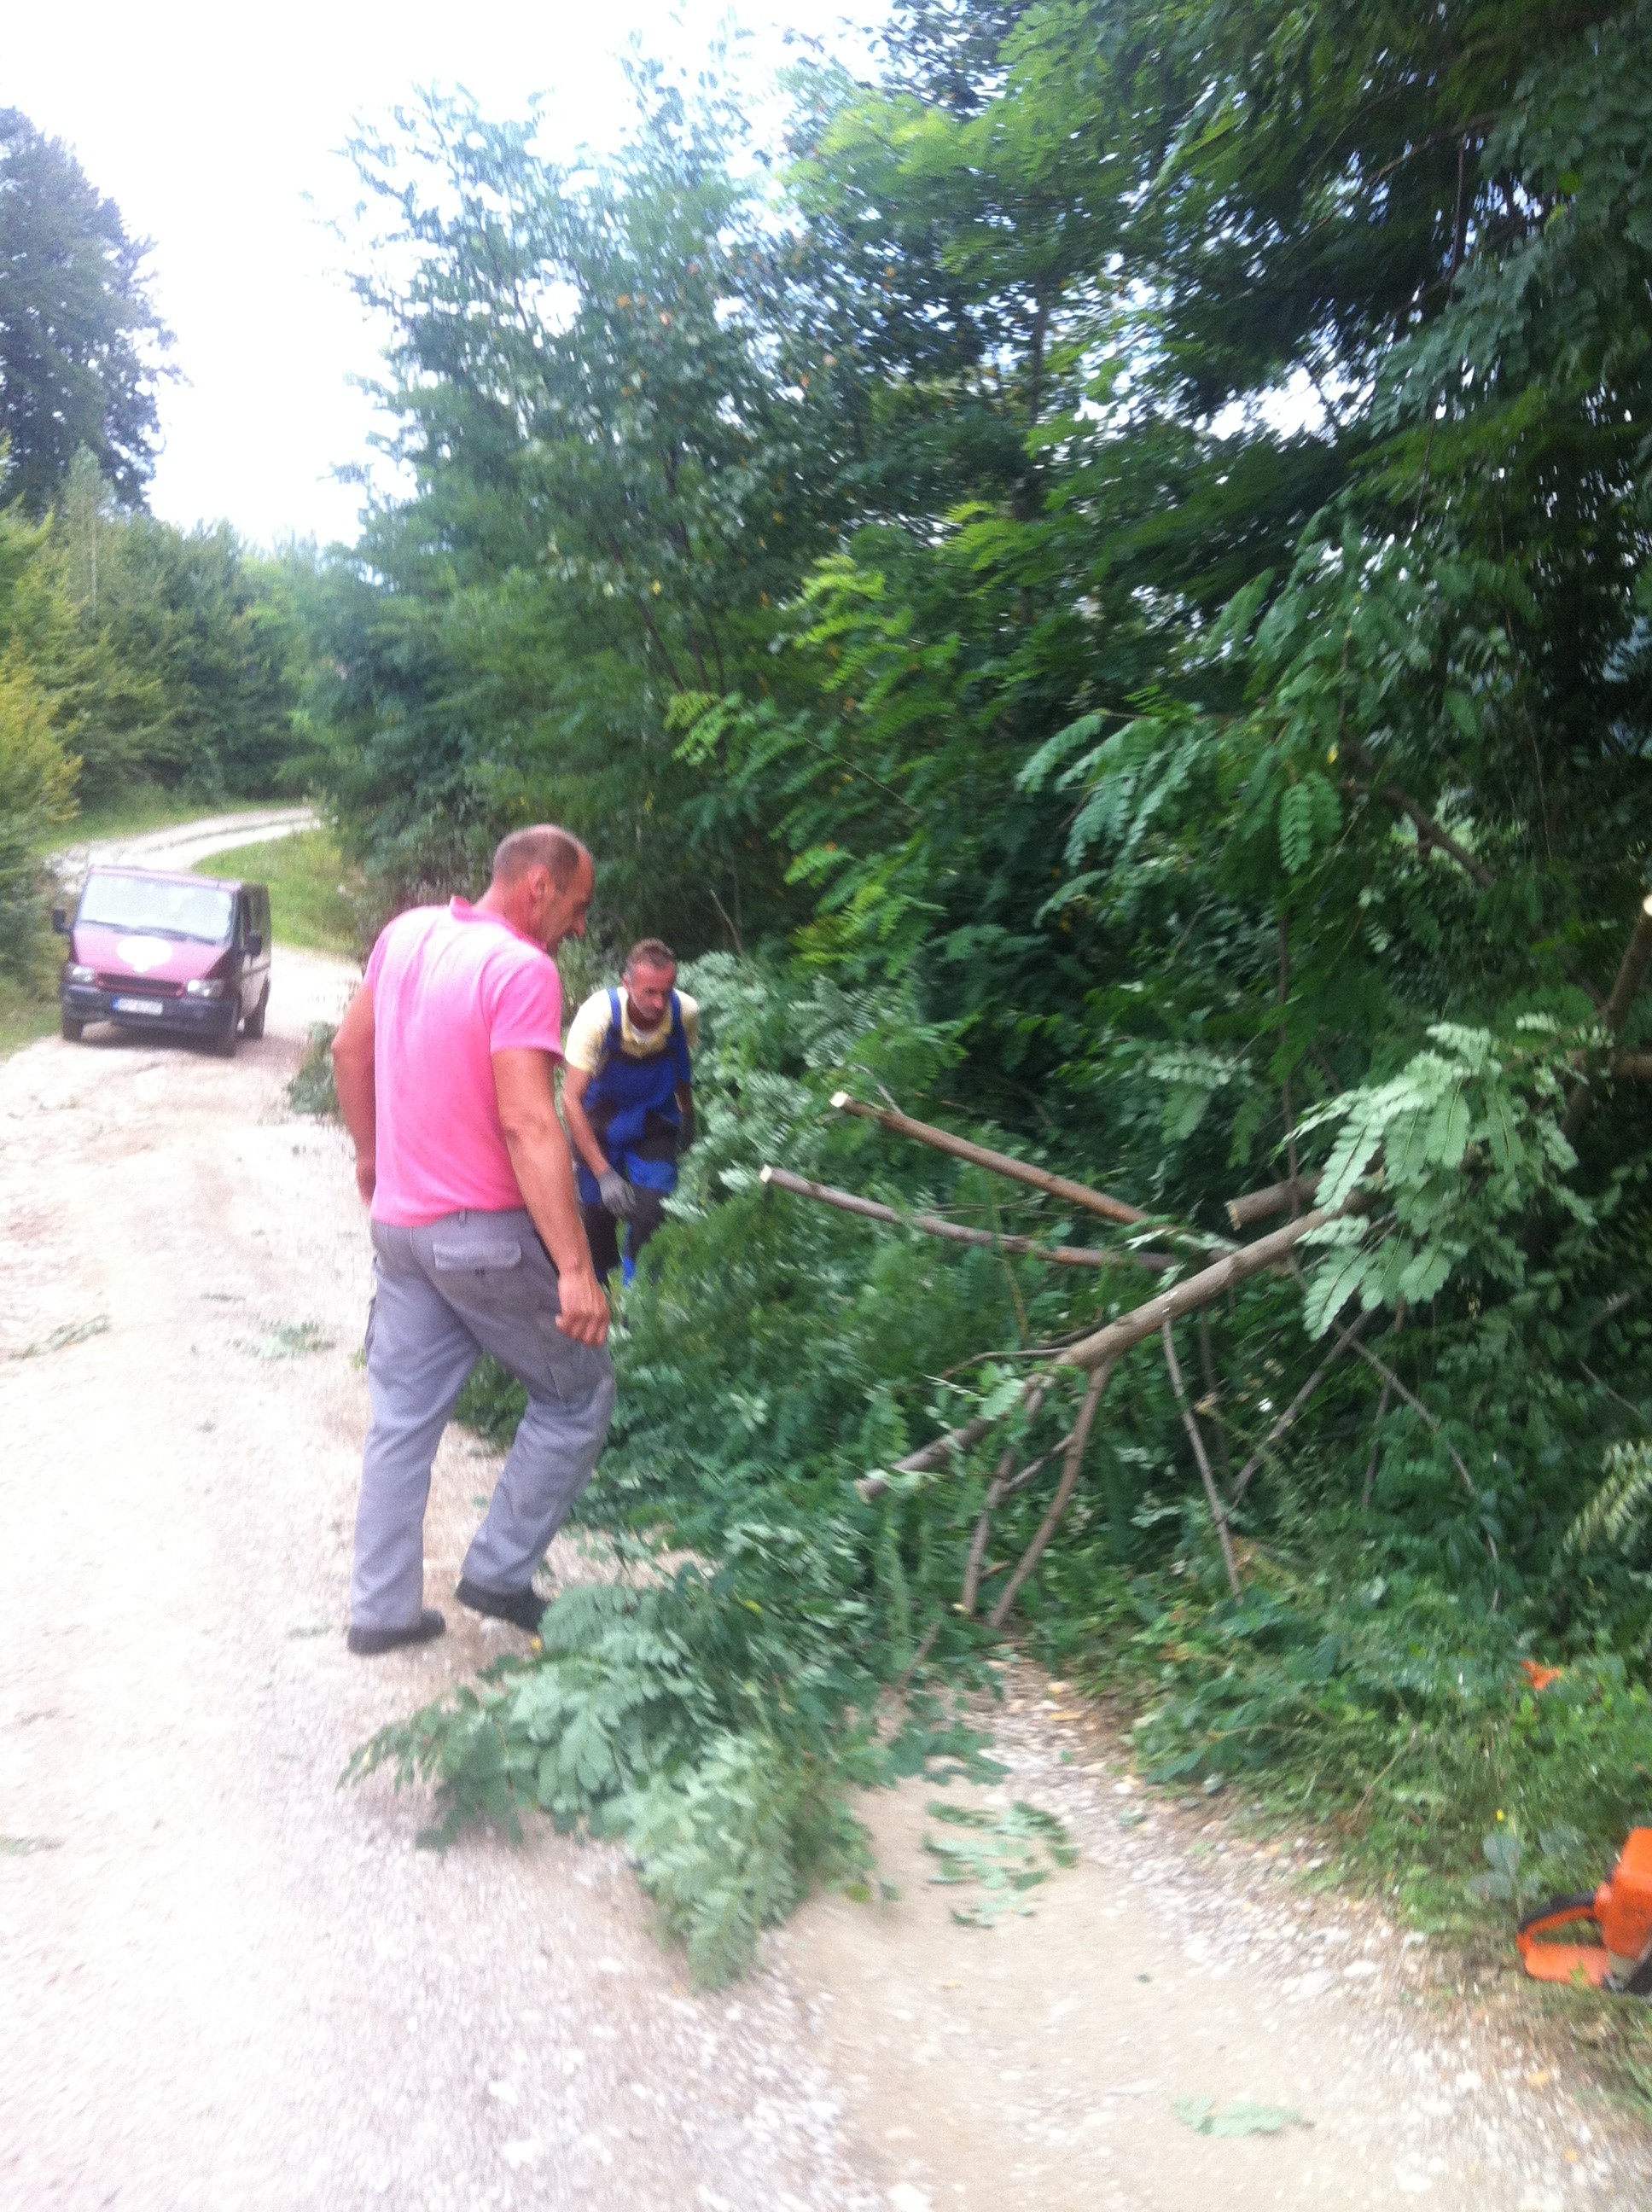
[[587, 1035]]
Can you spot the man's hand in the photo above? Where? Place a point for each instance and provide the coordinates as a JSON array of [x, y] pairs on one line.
[[544, 1175], [617, 1196], [353, 1074], [584, 1308]]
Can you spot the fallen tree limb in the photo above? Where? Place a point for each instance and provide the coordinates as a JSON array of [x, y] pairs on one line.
[[1365, 1488], [1212, 1401], [1631, 972], [1287, 1420], [1185, 1298], [1068, 1255], [982, 1156], [1225, 1535], [1254, 1206], [1064, 1490], [1034, 1468], [1423, 1413], [930, 1456], [997, 1489]]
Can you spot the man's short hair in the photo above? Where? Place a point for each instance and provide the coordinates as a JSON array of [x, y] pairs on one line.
[[650, 953], [544, 846]]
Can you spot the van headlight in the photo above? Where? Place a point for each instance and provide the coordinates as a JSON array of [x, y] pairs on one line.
[[76, 974], [204, 986]]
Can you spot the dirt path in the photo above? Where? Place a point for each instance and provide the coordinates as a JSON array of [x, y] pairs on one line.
[[183, 844], [230, 1985]]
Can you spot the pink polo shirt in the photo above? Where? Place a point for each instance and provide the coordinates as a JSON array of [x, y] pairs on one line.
[[451, 987]]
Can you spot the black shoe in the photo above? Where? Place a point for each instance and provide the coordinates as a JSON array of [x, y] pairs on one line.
[[523, 1608], [368, 1643]]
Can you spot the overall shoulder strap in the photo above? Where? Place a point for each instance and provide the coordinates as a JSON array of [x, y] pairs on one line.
[[611, 1042], [680, 1044]]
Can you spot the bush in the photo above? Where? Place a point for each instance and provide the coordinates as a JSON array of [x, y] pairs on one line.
[[37, 781], [312, 1089]]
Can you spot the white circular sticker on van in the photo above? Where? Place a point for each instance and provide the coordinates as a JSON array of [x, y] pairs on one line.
[[142, 953]]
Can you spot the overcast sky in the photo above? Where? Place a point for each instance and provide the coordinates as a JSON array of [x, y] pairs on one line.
[[217, 135]]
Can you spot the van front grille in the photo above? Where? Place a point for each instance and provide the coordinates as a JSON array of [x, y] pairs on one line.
[[140, 987]]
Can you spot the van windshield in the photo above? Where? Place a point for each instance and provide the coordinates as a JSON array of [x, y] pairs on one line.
[[201, 911]]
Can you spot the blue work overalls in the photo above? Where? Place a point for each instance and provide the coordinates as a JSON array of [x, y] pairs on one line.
[[620, 1098]]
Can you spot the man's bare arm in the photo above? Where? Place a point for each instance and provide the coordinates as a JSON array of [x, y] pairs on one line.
[[353, 1078], [575, 1082], [544, 1175]]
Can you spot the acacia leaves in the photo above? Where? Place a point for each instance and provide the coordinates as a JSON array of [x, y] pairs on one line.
[[1469, 1140]]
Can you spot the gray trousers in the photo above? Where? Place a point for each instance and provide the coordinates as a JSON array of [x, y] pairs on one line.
[[444, 1295]]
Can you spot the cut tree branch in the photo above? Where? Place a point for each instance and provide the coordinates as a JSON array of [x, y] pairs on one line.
[[1631, 972], [870, 1209], [1287, 1420], [1225, 1535], [1254, 1206], [1185, 1298], [1423, 1413], [1365, 1487], [929, 1457], [980, 1156], [997, 1490], [1064, 1490]]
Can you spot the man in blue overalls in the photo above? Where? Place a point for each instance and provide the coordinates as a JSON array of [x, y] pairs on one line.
[[627, 1098]]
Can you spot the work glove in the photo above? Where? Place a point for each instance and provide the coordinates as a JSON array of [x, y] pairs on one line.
[[617, 1196]]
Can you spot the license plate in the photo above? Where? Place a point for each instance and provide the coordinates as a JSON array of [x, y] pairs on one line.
[[140, 1006]]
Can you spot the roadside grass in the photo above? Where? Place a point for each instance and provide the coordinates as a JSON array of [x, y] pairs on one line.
[[146, 806], [25, 1015], [317, 898], [28, 1001]]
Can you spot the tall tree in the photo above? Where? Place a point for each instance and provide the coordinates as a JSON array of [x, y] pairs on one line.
[[81, 340]]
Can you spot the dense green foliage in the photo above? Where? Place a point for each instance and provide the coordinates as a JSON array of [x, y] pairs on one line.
[[134, 658], [37, 776], [1128, 565], [170, 656]]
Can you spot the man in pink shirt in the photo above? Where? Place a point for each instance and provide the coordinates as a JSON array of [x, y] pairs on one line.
[[444, 1065]]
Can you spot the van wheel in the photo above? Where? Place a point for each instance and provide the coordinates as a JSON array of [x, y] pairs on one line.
[[72, 1030], [254, 1024], [225, 1046]]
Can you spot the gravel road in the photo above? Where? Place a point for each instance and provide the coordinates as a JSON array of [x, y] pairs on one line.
[[184, 844], [229, 1983]]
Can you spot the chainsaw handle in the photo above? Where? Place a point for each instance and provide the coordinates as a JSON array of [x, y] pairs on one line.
[[1559, 1913]]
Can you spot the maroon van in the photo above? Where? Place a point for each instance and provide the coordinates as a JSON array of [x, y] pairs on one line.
[[185, 953]]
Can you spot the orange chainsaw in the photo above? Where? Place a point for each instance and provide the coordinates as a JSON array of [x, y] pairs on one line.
[[1621, 1910]]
